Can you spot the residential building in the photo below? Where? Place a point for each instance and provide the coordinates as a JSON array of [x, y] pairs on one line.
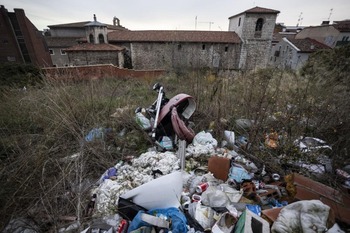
[[20, 41], [62, 36], [293, 53], [333, 35]]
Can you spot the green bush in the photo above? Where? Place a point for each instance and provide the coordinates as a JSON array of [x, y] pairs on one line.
[[19, 75]]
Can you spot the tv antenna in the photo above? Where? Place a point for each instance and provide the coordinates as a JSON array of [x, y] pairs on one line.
[[330, 14], [300, 19]]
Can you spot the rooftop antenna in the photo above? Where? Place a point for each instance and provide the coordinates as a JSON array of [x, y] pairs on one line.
[[330, 14], [300, 19], [195, 23]]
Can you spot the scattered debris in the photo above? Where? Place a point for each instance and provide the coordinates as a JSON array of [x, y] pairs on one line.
[[217, 189]]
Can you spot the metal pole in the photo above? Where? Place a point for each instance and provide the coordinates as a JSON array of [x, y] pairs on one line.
[[182, 153]]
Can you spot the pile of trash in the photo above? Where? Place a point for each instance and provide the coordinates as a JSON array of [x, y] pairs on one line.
[[218, 190]]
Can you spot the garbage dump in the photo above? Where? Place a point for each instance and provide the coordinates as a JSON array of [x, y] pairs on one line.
[[204, 187]]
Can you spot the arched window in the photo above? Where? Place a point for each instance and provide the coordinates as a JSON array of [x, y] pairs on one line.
[[101, 39], [91, 38], [259, 25]]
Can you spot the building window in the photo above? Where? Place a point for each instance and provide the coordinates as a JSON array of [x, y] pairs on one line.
[[101, 39], [203, 46], [5, 41], [63, 52], [51, 52], [226, 48], [179, 46], [259, 25], [239, 21], [91, 38]]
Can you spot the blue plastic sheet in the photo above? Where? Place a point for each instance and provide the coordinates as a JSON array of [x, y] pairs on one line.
[[177, 218], [238, 173]]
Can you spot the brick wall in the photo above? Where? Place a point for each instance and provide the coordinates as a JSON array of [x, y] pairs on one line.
[[97, 72]]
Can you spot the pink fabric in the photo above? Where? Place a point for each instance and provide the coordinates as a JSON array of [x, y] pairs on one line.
[[180, 128]]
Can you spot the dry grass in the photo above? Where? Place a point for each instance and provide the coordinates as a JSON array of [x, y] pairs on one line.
[[42, 127]]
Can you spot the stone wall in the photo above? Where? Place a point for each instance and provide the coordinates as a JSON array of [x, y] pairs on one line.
[[267, 29], [174, 56], [256, 44], [257, 54]]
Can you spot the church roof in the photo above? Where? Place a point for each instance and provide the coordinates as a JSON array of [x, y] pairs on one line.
[[257, 10], [174, 36]]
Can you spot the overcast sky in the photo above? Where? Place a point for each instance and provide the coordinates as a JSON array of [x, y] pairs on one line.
[[177, 14]]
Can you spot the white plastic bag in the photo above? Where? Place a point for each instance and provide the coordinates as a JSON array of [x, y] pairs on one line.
[[214, 197], [203, 138], [204, 215], [143, 121]]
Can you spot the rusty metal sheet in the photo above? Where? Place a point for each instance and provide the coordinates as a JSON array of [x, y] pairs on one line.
[[219, 166], [308, 189]]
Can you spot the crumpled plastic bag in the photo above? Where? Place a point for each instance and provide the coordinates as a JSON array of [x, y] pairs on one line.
[[214, 197], [205, 138], [302, 216], [203, 214], [232, 194], [203, 144], [143, 121]]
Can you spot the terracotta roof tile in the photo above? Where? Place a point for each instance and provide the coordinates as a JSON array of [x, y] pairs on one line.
[[262, 10], [308, 45], [342, 26], [280, 35], [94, 47], [174, 36], [259, 10]]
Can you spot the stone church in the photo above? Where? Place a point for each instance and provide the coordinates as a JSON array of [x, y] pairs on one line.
[[246, 45]]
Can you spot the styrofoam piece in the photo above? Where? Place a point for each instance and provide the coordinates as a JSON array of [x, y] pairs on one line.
[[163, 192]]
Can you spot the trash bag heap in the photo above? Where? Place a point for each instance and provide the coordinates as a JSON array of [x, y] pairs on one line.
[[188, 183]]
